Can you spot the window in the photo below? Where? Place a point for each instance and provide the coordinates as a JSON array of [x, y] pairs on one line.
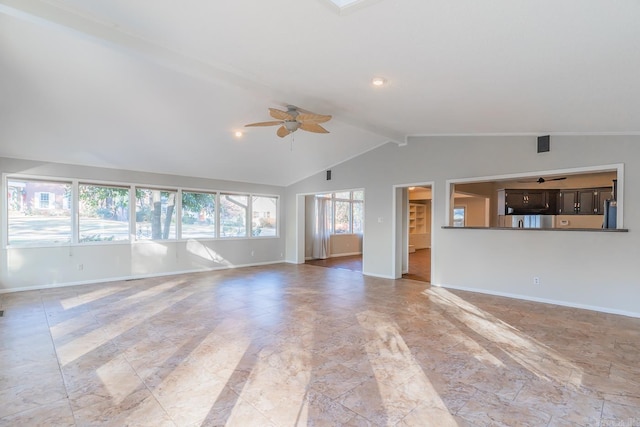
[[45, 200], [357, 217], [346, 211], [233, 215], [43, 212], [458, 216], [103, 213], [342, 217], [36, 212], [264, 211], [155, 214], [198, 215]]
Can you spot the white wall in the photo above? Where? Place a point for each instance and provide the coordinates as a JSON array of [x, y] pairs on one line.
[[578, 268], [26, 268], [345, 244]]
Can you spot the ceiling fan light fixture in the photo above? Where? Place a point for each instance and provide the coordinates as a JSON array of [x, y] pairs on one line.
[[291, 125]]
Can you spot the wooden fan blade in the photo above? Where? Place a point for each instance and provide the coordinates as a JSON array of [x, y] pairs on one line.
[[313, 118], [264, 124], [280, 115], [313, 127], [282, 132]]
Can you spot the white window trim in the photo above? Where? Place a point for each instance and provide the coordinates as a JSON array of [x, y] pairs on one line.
[[75, 182]]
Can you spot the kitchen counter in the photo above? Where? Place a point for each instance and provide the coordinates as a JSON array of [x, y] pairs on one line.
[[597, 230]]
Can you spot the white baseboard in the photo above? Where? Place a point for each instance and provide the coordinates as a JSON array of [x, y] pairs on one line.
[[542, 300], [133, 277], [382, 276], [345, 254]]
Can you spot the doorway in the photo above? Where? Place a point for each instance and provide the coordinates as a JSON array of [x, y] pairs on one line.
[[334, 229], [414, 209]]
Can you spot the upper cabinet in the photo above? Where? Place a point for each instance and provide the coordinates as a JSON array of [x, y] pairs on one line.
[[584, 201], [516, 202]]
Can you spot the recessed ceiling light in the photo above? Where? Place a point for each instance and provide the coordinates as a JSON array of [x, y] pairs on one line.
[[238, 134], [378, 81], [344, 3]]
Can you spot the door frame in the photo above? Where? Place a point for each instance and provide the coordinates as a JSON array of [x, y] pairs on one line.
[[300, 224], [400, 229]]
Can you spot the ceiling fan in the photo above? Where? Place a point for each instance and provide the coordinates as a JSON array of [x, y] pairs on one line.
[[541, 180], [292, 120]]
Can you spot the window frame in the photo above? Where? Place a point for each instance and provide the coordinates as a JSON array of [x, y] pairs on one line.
[[176, 209], [4, 203], [277, 221], [247, 219], [352, 202], [76, 196], [74, 209], [464, 215], [180, 212]]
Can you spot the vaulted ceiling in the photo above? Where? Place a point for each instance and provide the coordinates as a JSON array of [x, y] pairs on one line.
[[161, 86]]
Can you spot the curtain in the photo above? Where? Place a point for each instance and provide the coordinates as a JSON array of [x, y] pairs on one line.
[[323, 228]]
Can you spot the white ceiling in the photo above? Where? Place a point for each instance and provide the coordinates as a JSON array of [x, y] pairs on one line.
[[160, 86]]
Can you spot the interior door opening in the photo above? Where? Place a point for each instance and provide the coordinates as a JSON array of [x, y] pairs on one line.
[[334, 229], [414, 242]]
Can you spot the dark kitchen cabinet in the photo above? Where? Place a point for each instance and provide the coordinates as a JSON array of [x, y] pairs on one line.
[[602, 194], [526, 202], [584, 201]]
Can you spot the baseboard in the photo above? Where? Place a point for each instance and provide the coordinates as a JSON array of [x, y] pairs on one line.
[[382, 276], [345, 254], [542, 300], [133, 277]]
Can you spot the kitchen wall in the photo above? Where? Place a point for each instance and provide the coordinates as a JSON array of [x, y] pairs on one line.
[[579, 221], [503, 262], [475, 210], [28, 268]]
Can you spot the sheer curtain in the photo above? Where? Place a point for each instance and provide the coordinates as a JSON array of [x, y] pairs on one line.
[[323, 228]]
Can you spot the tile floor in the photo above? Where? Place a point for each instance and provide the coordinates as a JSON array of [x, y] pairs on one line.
[[302, 345]]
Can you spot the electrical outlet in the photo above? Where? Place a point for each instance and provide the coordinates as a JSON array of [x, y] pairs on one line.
[[80, 266], [536, 280], [252, 253]]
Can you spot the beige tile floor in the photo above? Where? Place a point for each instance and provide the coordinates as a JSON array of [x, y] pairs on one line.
[[293, 345]]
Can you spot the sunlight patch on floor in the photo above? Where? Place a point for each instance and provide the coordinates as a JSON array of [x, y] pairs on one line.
[[539, 359], [76, 301], [192, 389], [395, 368], [278, 383], [90, 341]]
